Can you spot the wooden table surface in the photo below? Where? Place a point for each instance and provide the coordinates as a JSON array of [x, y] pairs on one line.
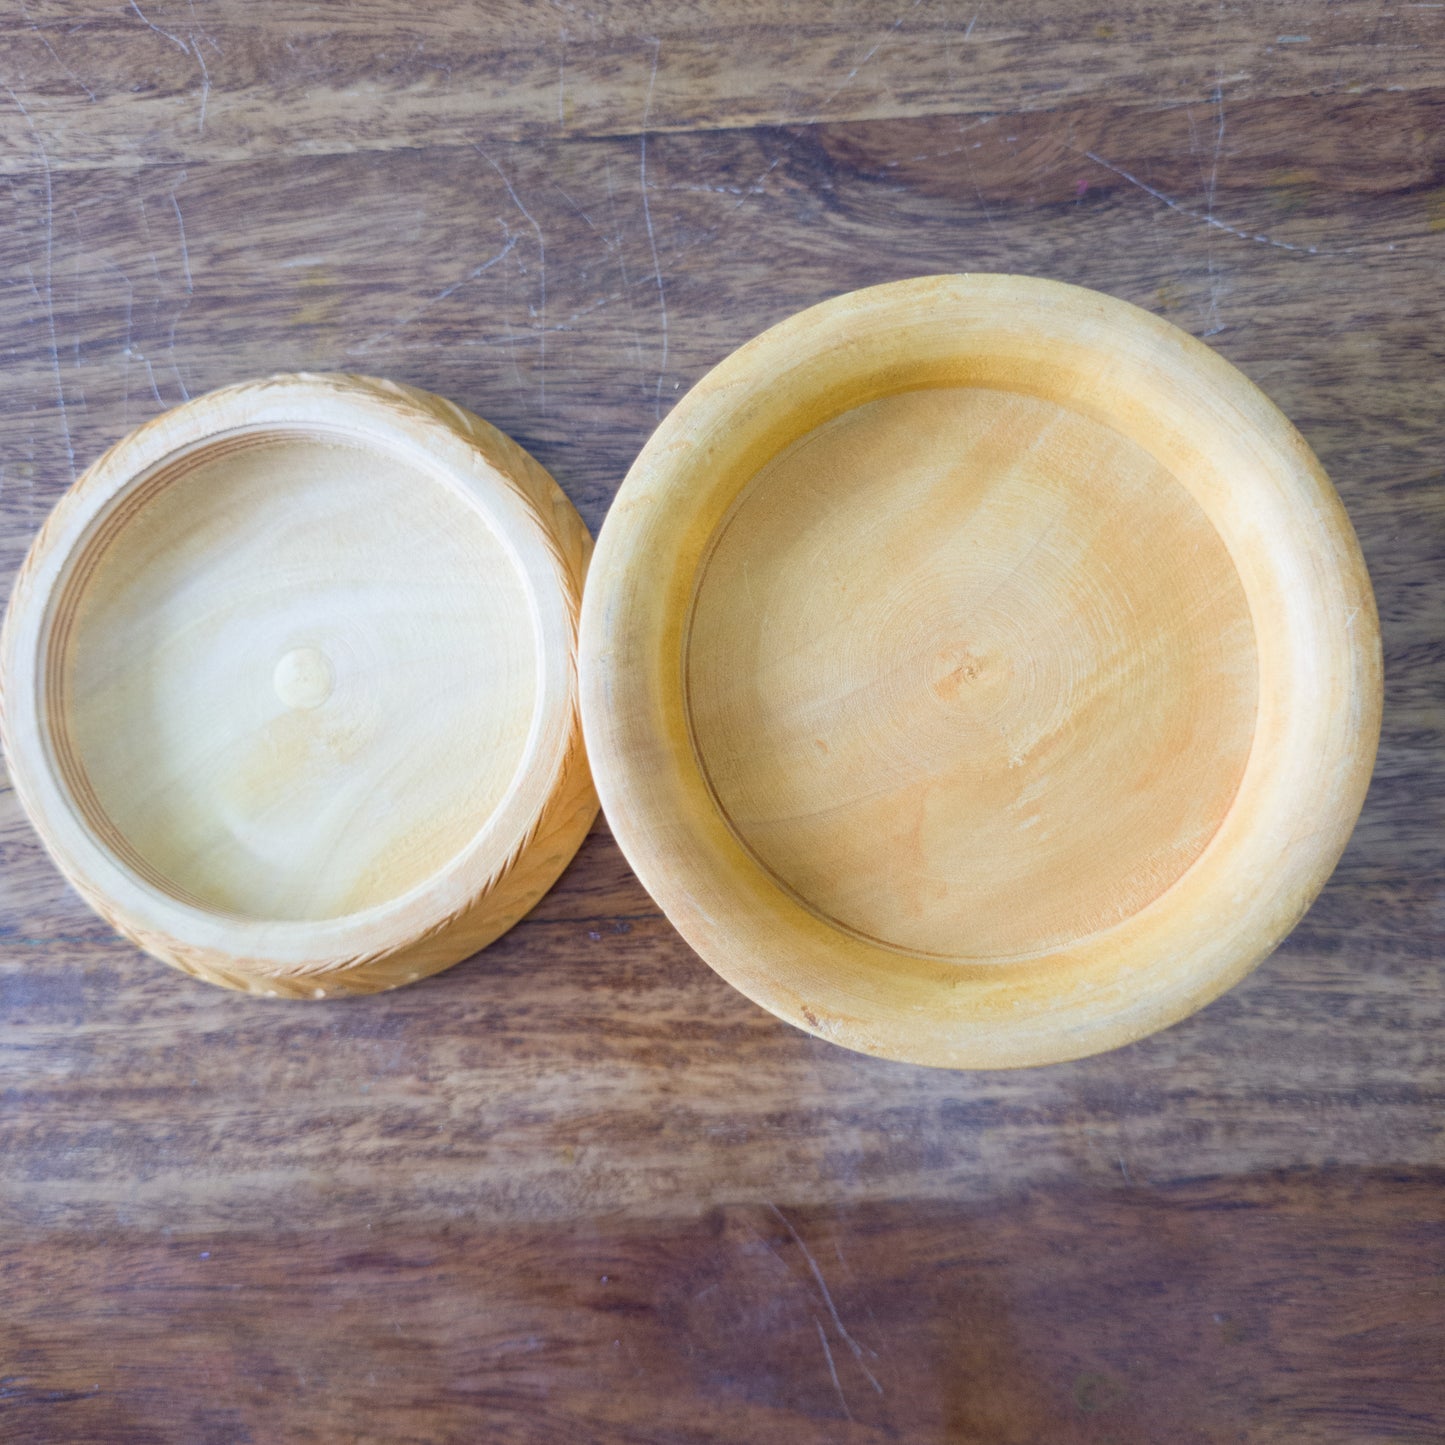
[[577, 1189]]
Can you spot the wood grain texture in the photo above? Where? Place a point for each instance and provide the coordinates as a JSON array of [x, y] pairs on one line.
[[421, 1192], [223, 80]]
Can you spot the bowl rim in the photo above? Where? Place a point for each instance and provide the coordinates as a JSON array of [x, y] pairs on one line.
[[433, 923], [1313, 611]]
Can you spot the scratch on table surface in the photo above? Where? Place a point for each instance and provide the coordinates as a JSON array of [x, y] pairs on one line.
[[75, 259], [622, 260], [174, 39], [711, 190], [828, 1298], [758, 186], [651, 233], [1214, 221], [832, 1368], [436, 300], [557, 326], [978, 192], [592, 225], [587, 310], [562, 78], [175, 366], [185, 250], [48, 299], [1213, 321], [440, 66], [878, 45], [48, 302], [45, 41], [937, 155], [205, 85], [191, 6], [541, 327], [190, 49], [181, 309], [512, 352], [151, 256], [151, 373], [126, 349]]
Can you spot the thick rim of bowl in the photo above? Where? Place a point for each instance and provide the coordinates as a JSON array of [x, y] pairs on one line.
[[445, 442], [1317, 641]]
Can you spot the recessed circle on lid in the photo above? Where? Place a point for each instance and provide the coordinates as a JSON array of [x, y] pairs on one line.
[[299, 676]]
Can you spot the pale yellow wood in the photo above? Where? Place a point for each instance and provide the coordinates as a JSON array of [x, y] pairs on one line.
[[290, 685], [980, 671]]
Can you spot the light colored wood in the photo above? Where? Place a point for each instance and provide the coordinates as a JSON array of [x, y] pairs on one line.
[[980, 671], [971, 674], [290, 685]]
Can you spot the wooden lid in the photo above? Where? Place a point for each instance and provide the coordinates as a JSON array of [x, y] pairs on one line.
[[290, 685], [979, 671]]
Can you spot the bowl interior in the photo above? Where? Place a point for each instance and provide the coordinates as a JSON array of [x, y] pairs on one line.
[[290, 675], [979, 671], [969, 673]]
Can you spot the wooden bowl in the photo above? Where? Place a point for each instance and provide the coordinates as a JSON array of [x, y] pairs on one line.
[[979, 671], [290, 685]]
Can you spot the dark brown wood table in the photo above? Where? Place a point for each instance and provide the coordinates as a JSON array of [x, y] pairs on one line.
[[577, 1189]]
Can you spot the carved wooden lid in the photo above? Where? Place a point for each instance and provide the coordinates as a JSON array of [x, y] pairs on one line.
[[290, 685]]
